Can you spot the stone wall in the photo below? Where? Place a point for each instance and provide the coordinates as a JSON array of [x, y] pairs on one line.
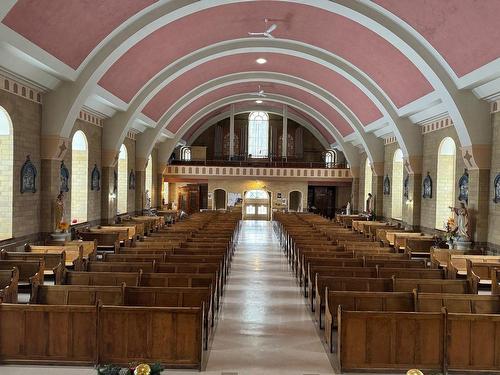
[[431, 143], [26, 119]]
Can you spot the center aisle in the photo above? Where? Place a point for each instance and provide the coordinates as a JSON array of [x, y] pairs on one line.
[[264, 327]]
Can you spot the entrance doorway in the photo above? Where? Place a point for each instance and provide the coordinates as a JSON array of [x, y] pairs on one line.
[[257, 205]]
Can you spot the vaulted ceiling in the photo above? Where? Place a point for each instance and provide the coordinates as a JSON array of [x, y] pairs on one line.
[[355, 71]]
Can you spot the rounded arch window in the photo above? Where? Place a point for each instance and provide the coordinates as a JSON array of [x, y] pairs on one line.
[[79, 177], [122, 202]]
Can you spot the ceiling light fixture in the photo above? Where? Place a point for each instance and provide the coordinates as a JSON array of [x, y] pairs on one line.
[[261, 60], [259, 101]]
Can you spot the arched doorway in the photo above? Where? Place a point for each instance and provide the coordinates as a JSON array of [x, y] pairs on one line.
[[295, 201], [257, 205], [219, 199]]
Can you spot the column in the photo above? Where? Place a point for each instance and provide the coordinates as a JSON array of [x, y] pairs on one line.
[[231, 133], [355, 190], [53, 151], [140, 182], [378, 188], [109, 186], [284, 145], [412, 205]]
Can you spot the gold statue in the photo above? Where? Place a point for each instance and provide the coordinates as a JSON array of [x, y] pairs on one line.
[[414, 371], [142, 369]]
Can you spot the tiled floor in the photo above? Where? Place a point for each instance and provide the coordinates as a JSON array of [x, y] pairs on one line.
[[264, 327]]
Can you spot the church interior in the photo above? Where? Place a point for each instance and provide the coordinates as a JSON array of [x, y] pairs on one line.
[[249, 187]]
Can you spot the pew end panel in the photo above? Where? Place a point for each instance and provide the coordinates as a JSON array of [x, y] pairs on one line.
[[44, 334], [390, 341], [175, 335], [9, 285]]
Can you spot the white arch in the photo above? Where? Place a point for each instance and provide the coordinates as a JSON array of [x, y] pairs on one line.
[[372, 144], [134, 30], [351, 153]]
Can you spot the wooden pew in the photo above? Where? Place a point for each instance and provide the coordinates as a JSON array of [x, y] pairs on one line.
[[457, 264], [104, 240], [411, 273], [397, 341], [8, 285], [51, 260], [440, 257], [495, 282], [325, 261], [97, 266], [396, 263], [370, 272], [480, 273], [76, 294], [472, 342], [362, 301], [27, 269], [457, 303], [418, 246], [86, 335], [65, 277], [174, 297], [434, 286], [346, 284], [178, 344], [73, 254], [110, 257]]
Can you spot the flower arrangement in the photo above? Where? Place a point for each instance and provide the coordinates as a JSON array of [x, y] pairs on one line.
[[133, 369], [63, 226], [74, 221], [451, 231]]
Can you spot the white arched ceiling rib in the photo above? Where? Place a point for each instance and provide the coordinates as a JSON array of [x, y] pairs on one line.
[[298, 119], [373, 146], [470, 115], [62, 106], [117, 127], [351, 152]]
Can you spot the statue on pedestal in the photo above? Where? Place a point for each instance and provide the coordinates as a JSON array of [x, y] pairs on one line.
[[462, 222], [58, 211], [148, 200], [348, 208]]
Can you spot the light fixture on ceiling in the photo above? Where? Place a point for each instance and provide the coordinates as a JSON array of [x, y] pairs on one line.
[[269, 30], [261, 60], [259, 101]]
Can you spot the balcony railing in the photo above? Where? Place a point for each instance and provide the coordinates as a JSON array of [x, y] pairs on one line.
[[259, 163], [207, 171]]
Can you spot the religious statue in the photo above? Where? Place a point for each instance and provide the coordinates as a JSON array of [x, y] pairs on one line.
[[496, 187], [58, 211], [368, 206], [462, 222], [148, 200], [348, 208]]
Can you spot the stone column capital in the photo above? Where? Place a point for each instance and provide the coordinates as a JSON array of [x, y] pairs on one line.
[[477, 156], [109, 158], [53, 147], [413, 164], [378, 168]]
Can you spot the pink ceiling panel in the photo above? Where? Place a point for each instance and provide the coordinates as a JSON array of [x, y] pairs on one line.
[[203, 120], [402, 81], [464, 32], [70, 29], [335, 118], [339, 86]]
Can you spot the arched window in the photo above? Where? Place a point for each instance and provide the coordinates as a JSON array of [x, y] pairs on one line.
[[330, 159], [445, 186], [186, 154], [79, 177], [6, 171], [122, 206], [368, 180], [258, 135], [397, 185], [149, 178]]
